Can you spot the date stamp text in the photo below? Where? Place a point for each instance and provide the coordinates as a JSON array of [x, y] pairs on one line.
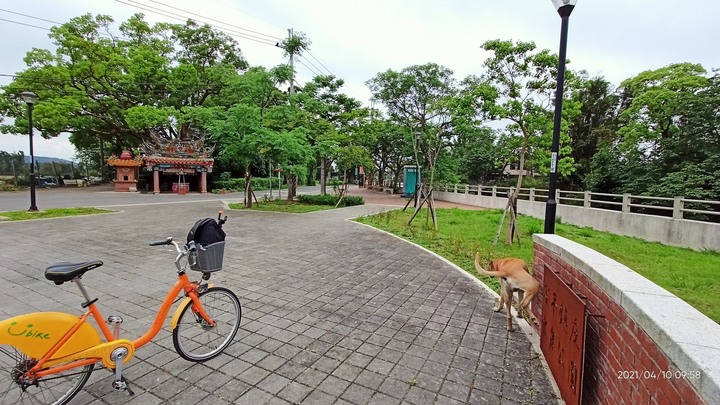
[[657, 375]]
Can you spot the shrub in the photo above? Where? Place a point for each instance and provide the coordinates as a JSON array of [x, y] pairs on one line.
[[351, 200], [318, 199], [328, 199], [264, 183], [229, 184]]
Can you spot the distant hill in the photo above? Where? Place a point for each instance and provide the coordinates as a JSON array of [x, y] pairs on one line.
[[45, 159]]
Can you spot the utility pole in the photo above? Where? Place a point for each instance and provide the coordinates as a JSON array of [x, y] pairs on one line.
[[292, 69]]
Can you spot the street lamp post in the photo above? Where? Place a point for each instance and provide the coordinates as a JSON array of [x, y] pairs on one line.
[[564, 8], [30, 99]]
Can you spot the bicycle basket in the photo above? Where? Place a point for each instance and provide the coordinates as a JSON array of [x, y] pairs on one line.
[[209, 240], [207, 259]]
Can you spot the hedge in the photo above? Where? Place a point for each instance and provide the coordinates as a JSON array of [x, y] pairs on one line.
[[328, 199]]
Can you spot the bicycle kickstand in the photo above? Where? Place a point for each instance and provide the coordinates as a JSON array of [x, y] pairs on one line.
[[120, 383]]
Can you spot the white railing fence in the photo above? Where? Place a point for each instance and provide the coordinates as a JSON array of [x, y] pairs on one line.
[[675, 221], [675, 208]]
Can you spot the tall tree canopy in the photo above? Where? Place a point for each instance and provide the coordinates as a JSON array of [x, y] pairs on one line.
[[420, 97], [101, 87]]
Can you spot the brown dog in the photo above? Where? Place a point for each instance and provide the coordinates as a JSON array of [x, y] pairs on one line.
[[514, 276]]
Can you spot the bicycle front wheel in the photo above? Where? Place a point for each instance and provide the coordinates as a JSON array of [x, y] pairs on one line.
[[194, 338], [15, 388]]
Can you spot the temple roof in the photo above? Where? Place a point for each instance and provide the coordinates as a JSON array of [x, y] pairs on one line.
[[154, 160], [115, 161]]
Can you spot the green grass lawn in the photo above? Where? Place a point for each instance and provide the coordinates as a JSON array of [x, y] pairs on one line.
[[52, 213], [691, 275], [293, 207]]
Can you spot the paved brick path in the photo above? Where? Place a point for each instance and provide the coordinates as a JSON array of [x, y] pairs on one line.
[[334, 312]]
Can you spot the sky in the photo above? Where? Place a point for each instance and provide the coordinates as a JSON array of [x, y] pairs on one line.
[[356, 40]]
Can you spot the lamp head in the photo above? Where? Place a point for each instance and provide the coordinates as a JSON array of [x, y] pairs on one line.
[[561, 3], [29, 97]]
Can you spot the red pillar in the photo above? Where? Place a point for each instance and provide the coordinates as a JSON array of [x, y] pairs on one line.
[[156, 182], [203, 182]]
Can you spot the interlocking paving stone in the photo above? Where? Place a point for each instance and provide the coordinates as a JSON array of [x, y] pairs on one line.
[[333, 312]]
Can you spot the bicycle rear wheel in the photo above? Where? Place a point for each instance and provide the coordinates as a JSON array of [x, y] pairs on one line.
[[57, 388], [195, 339]]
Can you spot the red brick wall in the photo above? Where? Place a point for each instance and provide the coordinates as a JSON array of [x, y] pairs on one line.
[[615, 346]]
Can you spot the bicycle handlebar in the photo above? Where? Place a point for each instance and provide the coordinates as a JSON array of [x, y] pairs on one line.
[[191, 246], [162, 242]]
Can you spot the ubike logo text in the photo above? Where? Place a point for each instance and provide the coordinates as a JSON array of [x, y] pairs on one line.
[[28, 332]]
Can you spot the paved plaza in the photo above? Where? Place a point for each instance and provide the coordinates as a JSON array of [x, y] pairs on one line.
[[334, 312]]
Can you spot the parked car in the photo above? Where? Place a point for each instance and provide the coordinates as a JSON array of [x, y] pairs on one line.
[[93, 181], [46, 182]]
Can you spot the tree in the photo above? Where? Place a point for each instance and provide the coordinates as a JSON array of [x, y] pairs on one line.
[[351, 156], [594, 126], [390, 146], [668, 141], [104, 89], [654, 101], [258, 125], [477, 154], [685, 159], [524, 80], [420, 98], [329, 113]]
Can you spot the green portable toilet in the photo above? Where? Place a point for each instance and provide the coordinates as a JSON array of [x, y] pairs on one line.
[[410, 180]]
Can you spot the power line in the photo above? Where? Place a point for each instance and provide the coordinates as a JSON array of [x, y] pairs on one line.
[[308, 68], [29, 16], [274, 38], [25, 24], [183, 18], [315, 70], [318, 73], [321, 64], [46, 20]]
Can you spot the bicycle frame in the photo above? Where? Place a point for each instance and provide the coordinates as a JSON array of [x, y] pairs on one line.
[[47, 365]]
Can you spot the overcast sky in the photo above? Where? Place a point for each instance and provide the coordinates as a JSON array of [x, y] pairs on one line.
[[355, 40]]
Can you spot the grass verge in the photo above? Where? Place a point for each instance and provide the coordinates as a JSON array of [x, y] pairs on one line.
[[691, 275], [52, 213], [292, 207]]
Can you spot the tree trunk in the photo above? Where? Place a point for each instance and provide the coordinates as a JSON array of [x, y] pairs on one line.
[[292, 186], [323, 178], [381, 176], [248, 187], [512, 222], [103, 173]]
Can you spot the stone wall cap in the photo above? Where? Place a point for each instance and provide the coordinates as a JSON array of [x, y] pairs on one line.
[[690, 339]]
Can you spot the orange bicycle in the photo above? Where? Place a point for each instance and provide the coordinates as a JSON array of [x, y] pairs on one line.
[[47, 357]]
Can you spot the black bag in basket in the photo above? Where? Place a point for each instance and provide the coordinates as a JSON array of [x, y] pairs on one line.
[[205, 232], [206, 241]]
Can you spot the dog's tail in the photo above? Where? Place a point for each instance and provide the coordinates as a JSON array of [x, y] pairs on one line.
[[480, 269]]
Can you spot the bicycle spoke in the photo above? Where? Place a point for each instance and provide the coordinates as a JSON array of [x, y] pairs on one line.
[[194, 339], [55, 388]]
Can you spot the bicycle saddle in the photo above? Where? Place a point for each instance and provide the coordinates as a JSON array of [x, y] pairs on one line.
[[62, 272]]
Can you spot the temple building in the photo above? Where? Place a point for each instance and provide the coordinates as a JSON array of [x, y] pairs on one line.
[[126, 168], [178, 166]]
